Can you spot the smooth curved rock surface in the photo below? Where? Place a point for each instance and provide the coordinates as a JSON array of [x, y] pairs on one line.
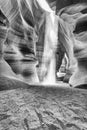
[[72, 36]]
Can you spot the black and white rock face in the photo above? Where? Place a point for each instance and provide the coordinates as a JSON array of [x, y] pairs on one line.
[[18, 47], [74, 30], [18, 40], [80, 51]]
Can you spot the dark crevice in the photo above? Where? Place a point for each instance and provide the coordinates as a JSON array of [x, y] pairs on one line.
[[84, 11], [3, 117], [26, 123], [80, 27]]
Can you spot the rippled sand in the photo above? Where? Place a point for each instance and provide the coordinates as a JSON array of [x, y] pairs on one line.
[[37, 107]]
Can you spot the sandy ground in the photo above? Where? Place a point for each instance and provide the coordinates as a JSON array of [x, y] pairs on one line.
[[37, 107]]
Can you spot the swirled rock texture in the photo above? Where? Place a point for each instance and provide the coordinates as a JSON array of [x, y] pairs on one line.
[[72, 36], [37, 107], [19, 39]]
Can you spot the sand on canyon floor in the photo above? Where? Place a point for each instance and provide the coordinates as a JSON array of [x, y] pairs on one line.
[[41, 107]]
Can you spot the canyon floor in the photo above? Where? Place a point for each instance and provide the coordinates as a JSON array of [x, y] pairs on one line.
[[41, 107]]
